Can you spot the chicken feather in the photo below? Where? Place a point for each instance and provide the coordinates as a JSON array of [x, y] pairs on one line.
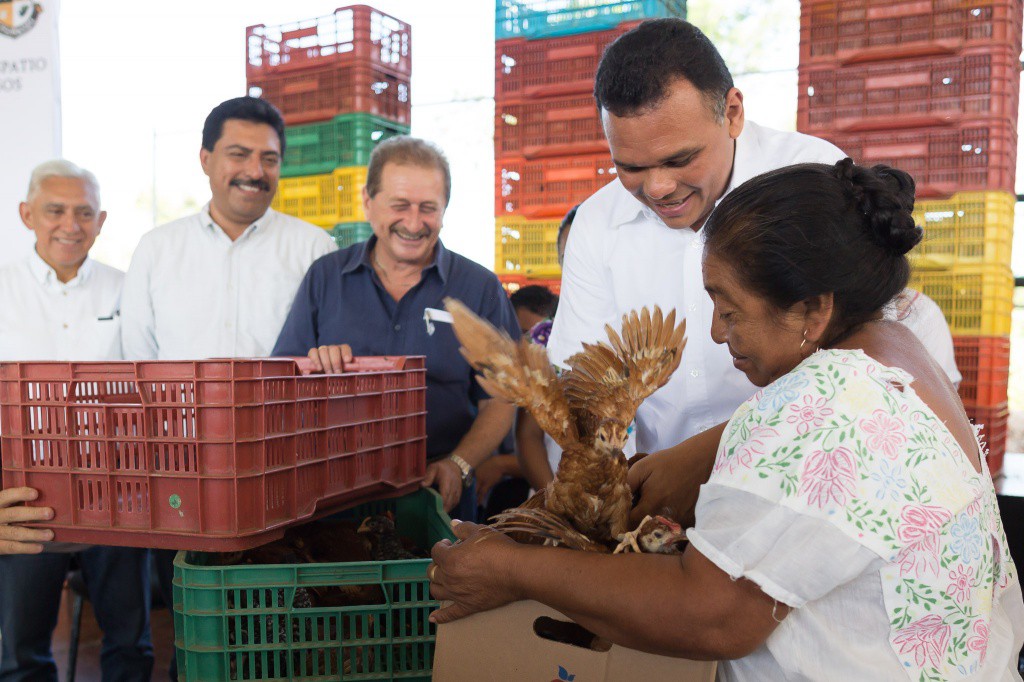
[[517, 372], [586, 410]]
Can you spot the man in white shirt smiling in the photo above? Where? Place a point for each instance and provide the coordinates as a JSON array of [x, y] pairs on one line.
[[60, 305], [680, 142], [220, 283]]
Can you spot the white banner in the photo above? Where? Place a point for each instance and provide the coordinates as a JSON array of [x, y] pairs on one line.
[[29, 108]]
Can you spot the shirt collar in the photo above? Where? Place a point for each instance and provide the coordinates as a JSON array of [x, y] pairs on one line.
[[746, 159], [207, 221], [46, 275], [442, 262]]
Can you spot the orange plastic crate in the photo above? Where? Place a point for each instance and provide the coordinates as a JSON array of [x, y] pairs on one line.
[[351, 35], [909, 93], [213, 455], [973, 156], [323, 92], [993, 421], [549, 126], [513, 283], [548, 188], [984, 362], [849, 31], [527, 69]]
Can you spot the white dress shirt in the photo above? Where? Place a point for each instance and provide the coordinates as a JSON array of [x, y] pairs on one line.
[[43, 318], [621, 257], [192, 293]]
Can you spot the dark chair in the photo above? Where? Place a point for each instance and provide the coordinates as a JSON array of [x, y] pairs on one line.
[[76, 585]]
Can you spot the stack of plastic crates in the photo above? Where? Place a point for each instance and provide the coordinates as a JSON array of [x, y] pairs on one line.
[[342, 83], [549, 146], [223, 456], [933, 88]]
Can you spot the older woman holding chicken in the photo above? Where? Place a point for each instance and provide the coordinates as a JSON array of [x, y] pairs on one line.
[[849, 528]]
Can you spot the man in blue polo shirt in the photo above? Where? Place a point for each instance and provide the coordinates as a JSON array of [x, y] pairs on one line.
[[369, 299]]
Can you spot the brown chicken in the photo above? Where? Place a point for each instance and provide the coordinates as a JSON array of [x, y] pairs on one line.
[[587, 411], [382, 538]]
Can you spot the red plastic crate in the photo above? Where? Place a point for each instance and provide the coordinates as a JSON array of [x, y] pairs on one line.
[[984, 362], [513, 283], [548, 188], [850, 31], [993, 421], [565, 65], [213, 455], [943, 160], [323, 92], [981, 84], [351, 35], [549, 126]]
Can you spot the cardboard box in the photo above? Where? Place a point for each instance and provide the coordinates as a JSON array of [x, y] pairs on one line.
[[503, 645]]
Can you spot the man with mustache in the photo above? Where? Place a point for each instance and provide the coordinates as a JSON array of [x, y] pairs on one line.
[[219, 283], [370, 298]]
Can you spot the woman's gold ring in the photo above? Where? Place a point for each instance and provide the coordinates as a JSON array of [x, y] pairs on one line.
[[431, 571]]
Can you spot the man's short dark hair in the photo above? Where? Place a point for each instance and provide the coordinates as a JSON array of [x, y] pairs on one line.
[[243, 109], [637, 70], [535, 298]]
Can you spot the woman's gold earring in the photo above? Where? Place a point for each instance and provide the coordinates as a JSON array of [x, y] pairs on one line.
[[804, 341]]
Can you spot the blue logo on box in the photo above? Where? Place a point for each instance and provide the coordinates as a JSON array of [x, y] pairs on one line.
[[564, 676]]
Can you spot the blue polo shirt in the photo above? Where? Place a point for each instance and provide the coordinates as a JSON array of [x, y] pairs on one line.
[[341, 300]]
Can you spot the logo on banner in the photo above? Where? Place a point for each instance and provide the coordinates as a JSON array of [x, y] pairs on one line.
[[18, 16]]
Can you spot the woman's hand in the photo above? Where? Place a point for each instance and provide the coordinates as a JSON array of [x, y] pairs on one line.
[[16, 539], [668, 482], [477, 573]]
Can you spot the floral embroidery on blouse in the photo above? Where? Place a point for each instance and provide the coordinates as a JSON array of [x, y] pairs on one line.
[[846, 439]]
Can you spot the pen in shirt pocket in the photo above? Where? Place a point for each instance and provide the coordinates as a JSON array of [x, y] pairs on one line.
[[111, 316]]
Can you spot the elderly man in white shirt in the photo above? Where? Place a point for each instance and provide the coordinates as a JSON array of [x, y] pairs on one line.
[[680, 142], [61, 305], [220, 283]]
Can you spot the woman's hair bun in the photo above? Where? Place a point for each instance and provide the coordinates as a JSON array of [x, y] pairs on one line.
[[884, 196]]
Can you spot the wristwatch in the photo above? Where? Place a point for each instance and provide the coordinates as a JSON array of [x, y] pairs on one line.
[[467, 471]]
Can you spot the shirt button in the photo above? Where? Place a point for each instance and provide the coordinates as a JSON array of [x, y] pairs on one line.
[[694, 372], [692, 307], [65, 325], [398, 327]]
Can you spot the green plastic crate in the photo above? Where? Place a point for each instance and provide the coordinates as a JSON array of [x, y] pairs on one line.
[[345, 140], [549, 18], [347, 234], [239, 622]]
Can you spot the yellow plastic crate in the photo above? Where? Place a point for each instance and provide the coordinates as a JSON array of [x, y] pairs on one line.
[[324, 200], [971, 228], [526, 247], [976, 300]]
